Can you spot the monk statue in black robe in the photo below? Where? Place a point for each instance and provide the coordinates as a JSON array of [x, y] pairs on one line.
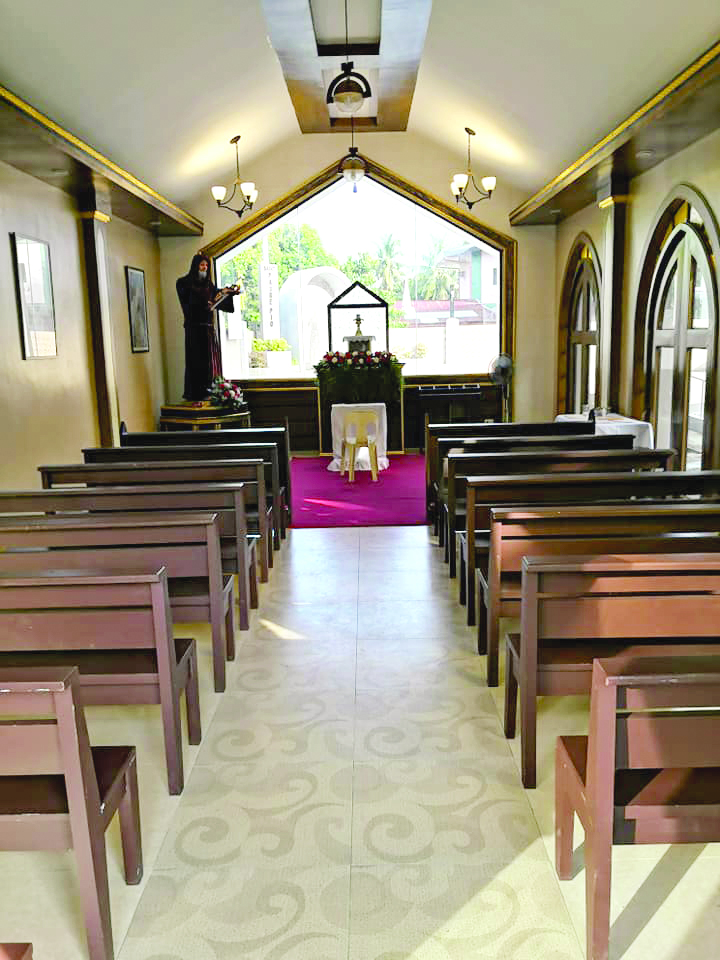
[[199, 299]]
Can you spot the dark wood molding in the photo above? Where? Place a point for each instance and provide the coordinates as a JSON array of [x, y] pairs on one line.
[[501, 242], [683, 111], [97, 281], [37, 145], [612, 304]]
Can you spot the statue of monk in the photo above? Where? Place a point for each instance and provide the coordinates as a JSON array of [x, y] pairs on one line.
[[199, 298]]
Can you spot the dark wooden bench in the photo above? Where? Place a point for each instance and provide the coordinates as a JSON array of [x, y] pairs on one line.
[[59, 793], [572, 530], [279, 435], [548, 488], [16, 951], [649, 771], [249, 472], [186, 544], [433, 431], [225, 499], [555, 657], [117, 630], [478, 445], [267, 452], [462, 465]]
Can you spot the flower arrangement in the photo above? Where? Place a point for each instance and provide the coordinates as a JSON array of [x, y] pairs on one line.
[[358, 358], [225, 393], [359, 377]]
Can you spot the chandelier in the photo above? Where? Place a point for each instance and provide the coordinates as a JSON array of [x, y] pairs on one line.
[[352, 166], [461, 182], [349, 89], [248, 193]]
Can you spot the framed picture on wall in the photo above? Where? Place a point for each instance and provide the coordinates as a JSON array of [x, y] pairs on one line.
[[33, 287], [137, 306]]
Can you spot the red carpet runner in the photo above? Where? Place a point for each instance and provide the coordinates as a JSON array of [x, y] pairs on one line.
[[324, 499]]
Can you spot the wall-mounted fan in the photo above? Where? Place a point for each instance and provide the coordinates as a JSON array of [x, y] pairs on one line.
[[501, 371]]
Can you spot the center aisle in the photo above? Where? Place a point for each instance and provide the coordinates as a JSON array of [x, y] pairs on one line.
[[354, 796]]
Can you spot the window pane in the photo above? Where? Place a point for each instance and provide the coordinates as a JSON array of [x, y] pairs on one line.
[[443, 285], [592, 375], [667, 303], [697, 380], [580, 310], [592, 310], [577, 378], [663, 395], [700, 307]]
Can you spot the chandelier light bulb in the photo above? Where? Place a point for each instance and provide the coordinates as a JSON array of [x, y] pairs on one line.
[[247, 187], [489, 183], [348, 96], [461, 179], [218, 193]]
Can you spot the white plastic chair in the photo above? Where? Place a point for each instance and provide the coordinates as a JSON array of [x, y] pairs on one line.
[[360, 429]]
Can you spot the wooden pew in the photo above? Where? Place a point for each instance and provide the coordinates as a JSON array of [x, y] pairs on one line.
[[117, 630], [647, 772], [267, 452], [435, 430], [548, 488], [43, 739], [279, 435], [249, 472], [571, 530], [186, 544], [478, 445], [462, 465], [226, 499]]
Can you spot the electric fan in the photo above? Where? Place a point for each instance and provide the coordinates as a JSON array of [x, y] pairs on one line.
[[501, 371]]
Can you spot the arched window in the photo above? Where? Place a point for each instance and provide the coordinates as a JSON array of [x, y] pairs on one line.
[[681, 333], [579, 360]]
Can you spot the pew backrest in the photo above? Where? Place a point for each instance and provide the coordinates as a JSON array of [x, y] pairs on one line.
[[279, 435], [433, 431]]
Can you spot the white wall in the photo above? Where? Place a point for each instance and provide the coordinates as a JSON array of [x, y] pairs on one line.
[[421, 162]]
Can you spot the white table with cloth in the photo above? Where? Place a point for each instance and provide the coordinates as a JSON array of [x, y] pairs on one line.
[[337, 421], [613, 423]]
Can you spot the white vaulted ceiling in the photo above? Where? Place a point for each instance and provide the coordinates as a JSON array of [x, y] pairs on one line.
[[160, 86]]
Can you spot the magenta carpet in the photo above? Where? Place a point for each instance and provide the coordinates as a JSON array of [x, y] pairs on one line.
[[324, 499]]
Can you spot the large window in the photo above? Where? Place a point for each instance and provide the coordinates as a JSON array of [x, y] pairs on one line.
[[579, 362], [443, 285], [682, 314]]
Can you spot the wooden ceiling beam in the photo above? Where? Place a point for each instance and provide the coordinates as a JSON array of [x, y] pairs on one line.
[[396, 58], [37, 145], [682, 112]]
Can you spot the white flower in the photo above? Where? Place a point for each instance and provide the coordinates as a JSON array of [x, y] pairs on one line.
[[355, 353], [334, 359], [361, 361]]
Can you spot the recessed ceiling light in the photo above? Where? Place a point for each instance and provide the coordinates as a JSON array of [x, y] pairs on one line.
[[555, 212], [644, 154], [155, 223]]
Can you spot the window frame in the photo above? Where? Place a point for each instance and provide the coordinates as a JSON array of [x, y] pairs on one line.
[[583, 275], [505, 245]]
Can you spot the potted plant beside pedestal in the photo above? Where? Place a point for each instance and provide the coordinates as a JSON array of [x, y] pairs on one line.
[[276, 353]]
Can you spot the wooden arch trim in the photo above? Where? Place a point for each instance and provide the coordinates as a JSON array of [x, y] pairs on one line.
[[654, 242], [506, 245], [583, 241]]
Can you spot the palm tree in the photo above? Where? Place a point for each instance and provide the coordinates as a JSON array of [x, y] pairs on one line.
[[388, 267]]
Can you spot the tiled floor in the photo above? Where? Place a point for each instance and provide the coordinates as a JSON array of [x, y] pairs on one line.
[[354, 797]]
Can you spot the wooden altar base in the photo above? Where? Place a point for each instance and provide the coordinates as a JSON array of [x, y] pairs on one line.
[[201, 416]]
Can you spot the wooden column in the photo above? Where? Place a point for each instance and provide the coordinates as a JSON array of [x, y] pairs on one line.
[[95, 210], [612, 197]]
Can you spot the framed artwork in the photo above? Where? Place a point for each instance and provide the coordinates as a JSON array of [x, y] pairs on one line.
[[135, 281], [33, 287]]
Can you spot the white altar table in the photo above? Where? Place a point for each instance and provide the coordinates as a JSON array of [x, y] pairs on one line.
[[613, 423], [337, 420]]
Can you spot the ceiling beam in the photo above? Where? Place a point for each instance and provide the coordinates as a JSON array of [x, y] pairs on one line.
[[403, 26], [37, 145], [682, 112]]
